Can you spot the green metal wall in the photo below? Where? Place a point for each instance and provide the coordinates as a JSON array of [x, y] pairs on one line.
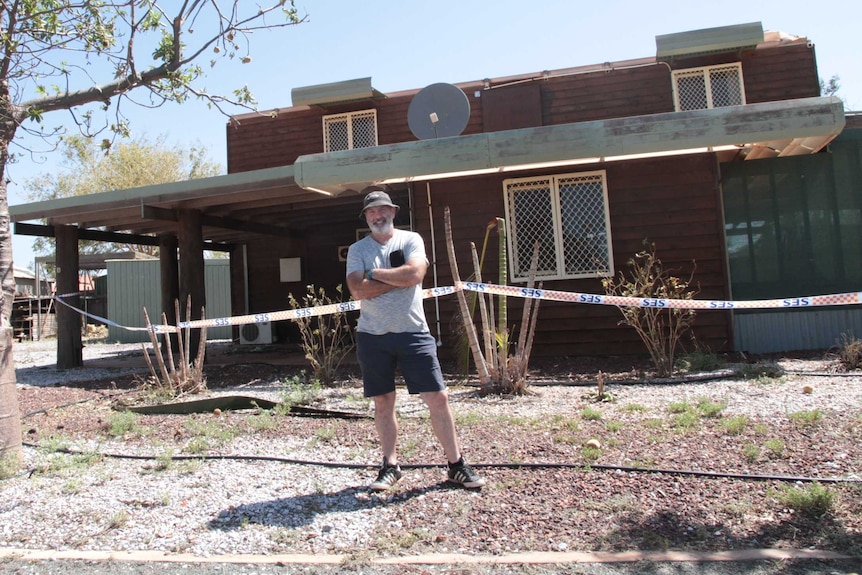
[[793, 228], [136, 284]]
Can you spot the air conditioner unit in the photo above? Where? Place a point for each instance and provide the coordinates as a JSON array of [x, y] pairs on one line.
[[255, 333]]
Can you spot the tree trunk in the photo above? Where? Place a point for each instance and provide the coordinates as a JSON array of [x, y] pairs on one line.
[[10, 417]]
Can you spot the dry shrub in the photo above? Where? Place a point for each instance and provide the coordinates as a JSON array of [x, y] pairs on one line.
[[659, 327], [850, 352]]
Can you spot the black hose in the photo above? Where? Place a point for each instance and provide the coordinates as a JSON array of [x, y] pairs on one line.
[[530, 466]]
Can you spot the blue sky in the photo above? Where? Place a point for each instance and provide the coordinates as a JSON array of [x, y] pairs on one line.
[[404, 45]]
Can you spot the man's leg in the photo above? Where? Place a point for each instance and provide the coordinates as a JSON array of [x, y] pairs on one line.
[[387, 425], [444, 428], [442, 423]]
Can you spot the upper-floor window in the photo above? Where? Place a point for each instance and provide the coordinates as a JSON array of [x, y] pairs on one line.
[[708, 87], [349, 131], [568, 216]]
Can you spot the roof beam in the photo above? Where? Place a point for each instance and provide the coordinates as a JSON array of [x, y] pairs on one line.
[[85, 234], [570, 144], [154, 213]]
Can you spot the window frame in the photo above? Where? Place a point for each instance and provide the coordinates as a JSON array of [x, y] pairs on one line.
[[347, 118], [517, 275], [705, 72]]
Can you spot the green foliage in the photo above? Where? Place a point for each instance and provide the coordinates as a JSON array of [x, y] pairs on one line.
[[774, 446], [10, 462], [137, 44], [678, 407], [326, 339], [735, 425], [811, 501], [761, 371], [806, 418], [685, 421], [830, 87], [298, 390], [751, 452], [87, 167], [590, 453], [659, 328], [590, 414], [700, 360], [709, 408], [121, 423]]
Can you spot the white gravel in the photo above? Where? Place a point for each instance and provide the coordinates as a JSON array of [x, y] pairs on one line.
[[218, 507]]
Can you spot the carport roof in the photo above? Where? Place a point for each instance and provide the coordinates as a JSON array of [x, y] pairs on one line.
[[278, 200]]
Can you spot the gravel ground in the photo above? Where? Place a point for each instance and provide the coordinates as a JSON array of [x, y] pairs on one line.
[[283, 484]]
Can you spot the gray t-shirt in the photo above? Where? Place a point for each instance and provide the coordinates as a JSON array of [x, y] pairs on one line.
[[399, 310]]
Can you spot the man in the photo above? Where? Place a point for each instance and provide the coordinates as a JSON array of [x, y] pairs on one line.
[[385, 270]]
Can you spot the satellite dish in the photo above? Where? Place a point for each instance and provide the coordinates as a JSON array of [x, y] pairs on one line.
[[438, 111]]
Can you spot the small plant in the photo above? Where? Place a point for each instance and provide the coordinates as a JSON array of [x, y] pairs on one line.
[[709, 408], [850, 352], [659, 327], [468, 418], [165, 460], [118, 519], [686, 421], [634, 407], [325, 433], [326, 339], [186, 376], [775, 447], [812, 501], [751, 452], [590, 414], [590, 453], [613, 426], [298, 390], [678, 407], [72, 486], [806, 418], [700, 360], [264, 420], [500, 368], [761, 371], [53, 444], [121, 423], [559, 421], [735, 425]]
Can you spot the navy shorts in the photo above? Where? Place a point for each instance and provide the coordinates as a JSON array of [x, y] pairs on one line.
[[414, 353]]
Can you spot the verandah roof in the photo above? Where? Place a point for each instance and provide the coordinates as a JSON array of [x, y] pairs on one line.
[[274, 200]]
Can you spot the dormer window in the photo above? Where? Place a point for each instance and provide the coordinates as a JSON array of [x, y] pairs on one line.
[[708, 87], [350, 131]]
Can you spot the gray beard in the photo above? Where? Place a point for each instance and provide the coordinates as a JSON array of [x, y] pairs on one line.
[[385, 228]]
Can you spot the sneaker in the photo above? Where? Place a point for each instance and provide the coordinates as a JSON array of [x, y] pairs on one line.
[[388, 476], [463, 474]]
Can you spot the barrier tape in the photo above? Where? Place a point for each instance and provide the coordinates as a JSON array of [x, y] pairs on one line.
[[623, 301], [850, 298]]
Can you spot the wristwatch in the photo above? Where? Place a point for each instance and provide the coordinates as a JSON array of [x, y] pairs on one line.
[[368, 275]]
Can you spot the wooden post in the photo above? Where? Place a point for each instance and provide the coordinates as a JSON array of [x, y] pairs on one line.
[[191, 248], [69, 345], [170, 280]]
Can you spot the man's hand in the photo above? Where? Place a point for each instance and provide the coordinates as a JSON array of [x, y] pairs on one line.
[[362, 288], [410, 274]]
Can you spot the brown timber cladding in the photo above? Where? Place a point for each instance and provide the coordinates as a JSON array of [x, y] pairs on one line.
[[672, 202]]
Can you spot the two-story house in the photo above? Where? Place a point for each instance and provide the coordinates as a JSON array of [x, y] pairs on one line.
[[719, 150]]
